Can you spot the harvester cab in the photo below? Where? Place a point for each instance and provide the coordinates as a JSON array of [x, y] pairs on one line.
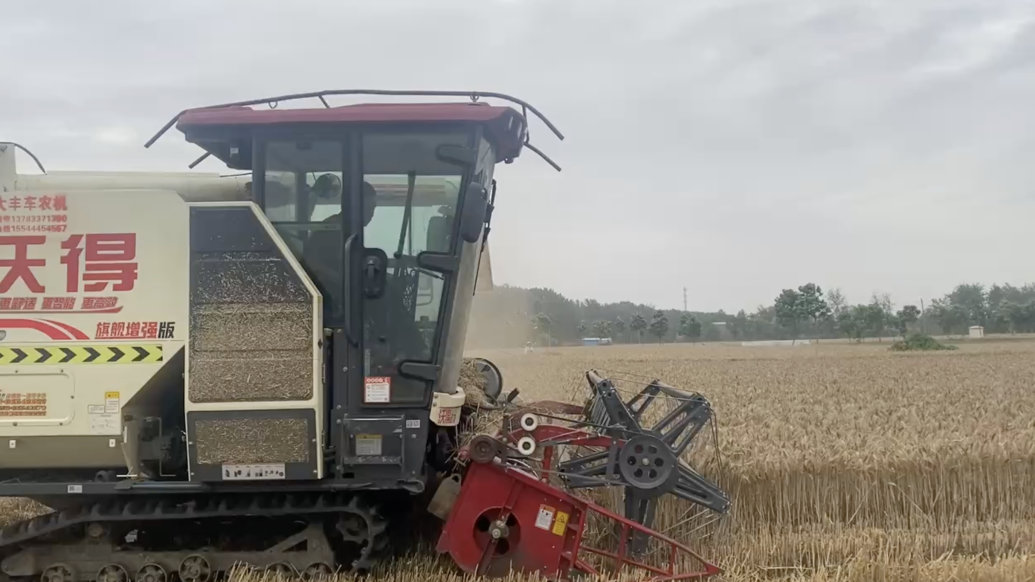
[[384, 208], [277, 350]]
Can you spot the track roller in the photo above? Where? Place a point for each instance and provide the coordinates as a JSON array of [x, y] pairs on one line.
[[112, 573], [59, 572], [151, 573], [317, 571], [281, 569], [195, 568]]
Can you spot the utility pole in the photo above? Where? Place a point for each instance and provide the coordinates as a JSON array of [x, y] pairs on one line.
[[684, 299], [923, 316]]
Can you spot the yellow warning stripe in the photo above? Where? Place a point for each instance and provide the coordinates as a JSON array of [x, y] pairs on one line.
[[95, 354]]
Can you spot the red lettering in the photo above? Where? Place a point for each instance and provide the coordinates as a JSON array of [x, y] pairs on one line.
[[71, 262], [20, 267], [17, 303], [30, 203], [103, 330], [3, 207], [108, 259], [58, 303], [24, 303], [134, 329], [118, 329], [14, 203], [45, 202], [60, 204], [150, 330], [96, 303]]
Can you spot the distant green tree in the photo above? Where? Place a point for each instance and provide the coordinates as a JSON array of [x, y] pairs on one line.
[[852, 322], [1021, 317], [582, 329], [689, 327], [619, 326], [638, 325], [906, 316], [970, 303], [949, 316], [811, 304], [837, 302], [788, 311], [875, 319], [659, 324]]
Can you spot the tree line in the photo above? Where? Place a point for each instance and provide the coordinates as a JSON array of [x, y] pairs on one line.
[[513, 316]]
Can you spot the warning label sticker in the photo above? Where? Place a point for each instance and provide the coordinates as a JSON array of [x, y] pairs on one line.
[[561, 524], [111, 403], [368, 445], [545, 517], [377, 390]]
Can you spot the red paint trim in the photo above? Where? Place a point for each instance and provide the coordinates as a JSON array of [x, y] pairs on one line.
[[63, 311], [73, 331], [360, 113], [54, 333]]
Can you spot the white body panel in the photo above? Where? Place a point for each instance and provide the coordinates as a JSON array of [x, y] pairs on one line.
[[50, 314], [192, 187]]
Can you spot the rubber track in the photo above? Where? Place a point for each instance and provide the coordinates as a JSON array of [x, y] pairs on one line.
[[187, 508]]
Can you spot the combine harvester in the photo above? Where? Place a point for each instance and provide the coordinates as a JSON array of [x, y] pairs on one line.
[[202, 371]]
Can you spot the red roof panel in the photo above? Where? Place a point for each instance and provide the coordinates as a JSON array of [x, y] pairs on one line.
[[499, 120], [366, 112]]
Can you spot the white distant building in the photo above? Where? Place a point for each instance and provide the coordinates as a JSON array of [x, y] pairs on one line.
[[977, 332]]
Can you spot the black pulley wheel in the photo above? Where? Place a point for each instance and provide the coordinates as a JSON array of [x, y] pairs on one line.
[[647, 464]]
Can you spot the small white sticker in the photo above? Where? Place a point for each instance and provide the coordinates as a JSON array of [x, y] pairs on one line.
[[257, 471], [75, 488], [545, 518], [368, 445], [95, 409], [104, 424], [378, 390], [412, 423]]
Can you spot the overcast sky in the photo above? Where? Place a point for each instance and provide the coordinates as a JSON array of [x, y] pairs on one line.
[[732, 147]]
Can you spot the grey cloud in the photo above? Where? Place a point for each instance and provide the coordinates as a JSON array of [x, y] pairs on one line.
[[735, 147]]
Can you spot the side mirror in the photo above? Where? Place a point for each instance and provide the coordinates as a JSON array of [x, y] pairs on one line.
[[472, 215]]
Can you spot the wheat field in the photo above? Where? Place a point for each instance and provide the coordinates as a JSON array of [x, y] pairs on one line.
[[843, 462], [846, 461]]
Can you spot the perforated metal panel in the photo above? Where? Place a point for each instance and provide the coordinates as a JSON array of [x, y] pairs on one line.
[[282, 437], [252, 440]]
